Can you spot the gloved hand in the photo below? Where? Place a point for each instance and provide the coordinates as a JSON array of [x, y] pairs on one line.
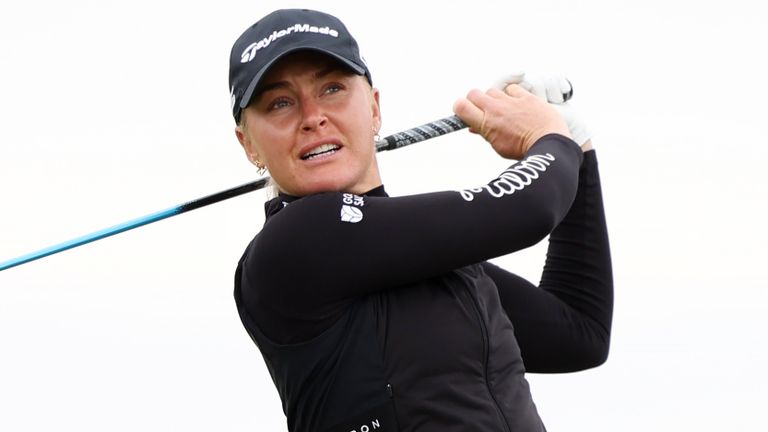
[[555, 89]]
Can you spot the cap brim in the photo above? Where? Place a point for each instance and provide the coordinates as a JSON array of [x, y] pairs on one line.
[[246, 99]]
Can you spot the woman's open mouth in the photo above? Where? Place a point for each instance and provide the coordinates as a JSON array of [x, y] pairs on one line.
[[319, 151]]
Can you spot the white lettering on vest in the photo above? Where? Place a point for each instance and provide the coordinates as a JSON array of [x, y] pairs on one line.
[[375, 424]]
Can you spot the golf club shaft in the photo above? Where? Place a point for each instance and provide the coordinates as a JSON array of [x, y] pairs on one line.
[[391, 142]]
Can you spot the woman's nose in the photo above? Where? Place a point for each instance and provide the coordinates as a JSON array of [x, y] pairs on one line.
[[312, 117]]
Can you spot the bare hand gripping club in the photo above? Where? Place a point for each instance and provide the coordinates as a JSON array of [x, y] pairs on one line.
[[392, 142]]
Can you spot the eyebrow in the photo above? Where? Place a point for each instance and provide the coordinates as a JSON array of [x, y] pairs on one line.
[[281, 84]]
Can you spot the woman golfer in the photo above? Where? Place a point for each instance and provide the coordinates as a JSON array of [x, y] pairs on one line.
[[378, 313]]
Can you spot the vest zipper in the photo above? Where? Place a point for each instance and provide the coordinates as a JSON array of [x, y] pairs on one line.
[[486, 343]]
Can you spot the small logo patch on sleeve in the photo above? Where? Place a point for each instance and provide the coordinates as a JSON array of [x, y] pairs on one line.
[[351, 214], [350, 211]]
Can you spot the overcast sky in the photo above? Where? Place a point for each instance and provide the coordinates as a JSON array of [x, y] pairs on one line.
[[112, 110]]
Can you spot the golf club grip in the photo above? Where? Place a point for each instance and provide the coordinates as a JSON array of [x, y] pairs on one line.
[[420, 133]]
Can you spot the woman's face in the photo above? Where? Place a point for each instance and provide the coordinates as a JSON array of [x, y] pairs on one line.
[[312, 123]]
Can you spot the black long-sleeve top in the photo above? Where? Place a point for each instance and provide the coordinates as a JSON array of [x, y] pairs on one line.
[[383, 312]]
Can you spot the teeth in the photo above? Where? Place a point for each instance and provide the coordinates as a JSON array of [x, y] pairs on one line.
[[325, 148]]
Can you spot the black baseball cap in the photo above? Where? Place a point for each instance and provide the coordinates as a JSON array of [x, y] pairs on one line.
[[280, 33]]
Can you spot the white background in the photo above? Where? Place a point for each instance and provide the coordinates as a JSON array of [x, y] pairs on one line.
[[112, 110]]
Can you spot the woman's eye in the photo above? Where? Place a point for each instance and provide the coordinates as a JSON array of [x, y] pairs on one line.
[[279, 103], [333, 88]]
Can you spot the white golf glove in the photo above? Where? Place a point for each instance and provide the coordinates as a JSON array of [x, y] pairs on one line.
[[555, 89]]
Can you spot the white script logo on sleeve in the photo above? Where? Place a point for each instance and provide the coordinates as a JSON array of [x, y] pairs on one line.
[[514, 178], [350, 210]]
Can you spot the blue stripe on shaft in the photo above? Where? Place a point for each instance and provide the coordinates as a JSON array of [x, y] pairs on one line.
[[97, 235]]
